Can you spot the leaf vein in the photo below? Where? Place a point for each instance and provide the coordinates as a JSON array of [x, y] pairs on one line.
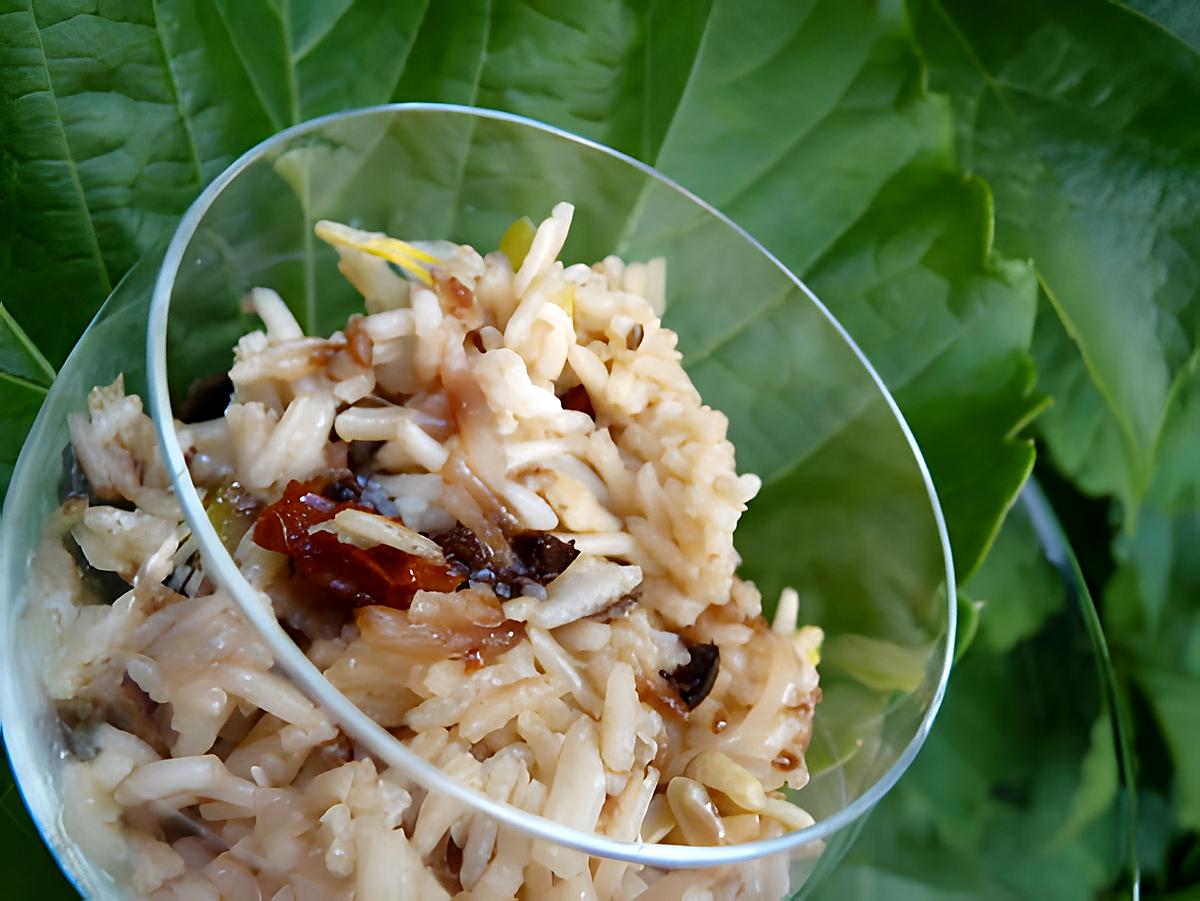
[[741, 325], [26, 344], [249, 70], [284, 13], [184, 121], [77, 183], [25, 383], [300, 53], [403, 60]]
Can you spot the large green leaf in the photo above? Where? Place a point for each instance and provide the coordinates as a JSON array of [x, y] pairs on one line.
[[1075, 114]]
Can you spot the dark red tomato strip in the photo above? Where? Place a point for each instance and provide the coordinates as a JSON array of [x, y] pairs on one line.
[[353, 575]]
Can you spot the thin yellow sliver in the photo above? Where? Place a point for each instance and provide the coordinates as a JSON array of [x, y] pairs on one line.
[[411, 259], [516, 241]]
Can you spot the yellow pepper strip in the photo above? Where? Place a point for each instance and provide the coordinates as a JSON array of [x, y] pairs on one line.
[[411, 259], [516, 241]]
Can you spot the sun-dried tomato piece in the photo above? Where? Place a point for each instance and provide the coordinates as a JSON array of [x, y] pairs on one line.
[[353, 575]]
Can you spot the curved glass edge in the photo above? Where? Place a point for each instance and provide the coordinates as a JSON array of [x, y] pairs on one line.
[[376, 739], [1057, 550], [20, 730], [23, 733]]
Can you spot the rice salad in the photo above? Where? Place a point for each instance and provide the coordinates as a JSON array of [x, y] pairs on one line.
[[494, 511]]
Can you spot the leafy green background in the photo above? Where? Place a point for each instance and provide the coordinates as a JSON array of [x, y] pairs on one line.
[[1000, 200]]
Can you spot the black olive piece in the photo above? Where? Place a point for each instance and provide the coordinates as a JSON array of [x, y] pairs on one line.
[[695, 679], [207, 398], [462, 545], [538, 558], [544, 556]]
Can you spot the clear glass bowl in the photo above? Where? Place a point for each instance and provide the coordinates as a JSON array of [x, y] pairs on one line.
[[848, 513]]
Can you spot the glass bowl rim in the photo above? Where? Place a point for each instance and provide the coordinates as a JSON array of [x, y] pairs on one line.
[[364, 729]]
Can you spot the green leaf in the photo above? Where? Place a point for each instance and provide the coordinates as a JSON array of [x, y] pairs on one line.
[[1175, 488], [1098, 783], [1072, 112], [1150, 608], [1018, 588], [968, 623], [24, 377], [116, 119], [30, 871], [103, 160], [19, 405], [826, 148], [808, 122], [20, 360], [1079, 429], [1181, 20], [1000, 778], [1173, 696], [298, 56], [1150, 601], [947, 325]]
